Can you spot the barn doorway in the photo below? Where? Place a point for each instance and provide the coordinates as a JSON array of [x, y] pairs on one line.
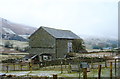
[[46, 57]]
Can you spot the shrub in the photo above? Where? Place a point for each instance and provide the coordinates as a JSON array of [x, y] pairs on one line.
[[78, 46], [8, 44], [22, 49]]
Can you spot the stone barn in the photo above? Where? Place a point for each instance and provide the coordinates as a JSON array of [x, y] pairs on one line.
[[50, 43]]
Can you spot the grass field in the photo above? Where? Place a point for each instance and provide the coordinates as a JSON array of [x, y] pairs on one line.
[[105, 72], [15, 43], [5, 57], [11, 53]]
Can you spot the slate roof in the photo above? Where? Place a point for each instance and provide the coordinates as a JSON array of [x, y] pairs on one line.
[[63, 34]]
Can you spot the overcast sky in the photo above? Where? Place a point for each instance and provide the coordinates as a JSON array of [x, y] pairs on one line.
[[83, 17]]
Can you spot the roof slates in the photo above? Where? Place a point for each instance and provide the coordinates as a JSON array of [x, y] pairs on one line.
[[61, 33]]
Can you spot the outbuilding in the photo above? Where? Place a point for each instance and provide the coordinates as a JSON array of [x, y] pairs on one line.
[[50, 43]]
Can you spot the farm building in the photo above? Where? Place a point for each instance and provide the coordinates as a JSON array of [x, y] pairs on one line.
[[50, 43]]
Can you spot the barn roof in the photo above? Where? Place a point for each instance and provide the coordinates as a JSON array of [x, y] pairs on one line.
[[57, 33]]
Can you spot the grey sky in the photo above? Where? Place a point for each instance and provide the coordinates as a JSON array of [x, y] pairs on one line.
[[89, 17]]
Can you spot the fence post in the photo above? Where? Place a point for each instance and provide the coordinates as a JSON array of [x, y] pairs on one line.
[[54, 76], [92, 64], [110, 70], [105, 63], [61, 66], [30, 66], [115, 67], [46, 77], [54, 63], [69, 68], [84, 73], [50, 64], [99, 71], [45, 64], [79, 69], [65, 62], [21, 67], [7, 68], [14, 66], [39, 65]]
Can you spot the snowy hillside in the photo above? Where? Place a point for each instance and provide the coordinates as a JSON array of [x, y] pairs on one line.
[[14, 31]]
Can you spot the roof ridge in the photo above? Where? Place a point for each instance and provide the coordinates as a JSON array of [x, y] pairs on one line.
[[54, 28], [58, 33]]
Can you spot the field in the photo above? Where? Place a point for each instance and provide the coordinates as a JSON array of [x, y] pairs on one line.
[[40, 73], [15, 43], [49, 71], [63, 70], [11, 53]]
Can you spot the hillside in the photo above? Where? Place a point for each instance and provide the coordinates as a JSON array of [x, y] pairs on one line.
[[14, 31], [14, 28], [100, 43]]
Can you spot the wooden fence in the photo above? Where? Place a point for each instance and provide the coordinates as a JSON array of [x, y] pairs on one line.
[[93, 63], [55, 76], [65, 64]]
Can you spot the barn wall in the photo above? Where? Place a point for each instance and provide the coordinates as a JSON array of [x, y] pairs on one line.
[[42, 42], [40, 51], [62, 47]]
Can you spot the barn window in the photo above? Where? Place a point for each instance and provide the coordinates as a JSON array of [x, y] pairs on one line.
[[45, 57], [69, 46]]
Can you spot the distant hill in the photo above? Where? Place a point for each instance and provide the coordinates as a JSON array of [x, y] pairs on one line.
[[14, 31], [100, 43]]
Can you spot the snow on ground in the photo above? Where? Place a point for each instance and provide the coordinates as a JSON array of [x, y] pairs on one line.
[[93, 73], [33, 73], [44, 73], [18, 73], [8, 30]]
